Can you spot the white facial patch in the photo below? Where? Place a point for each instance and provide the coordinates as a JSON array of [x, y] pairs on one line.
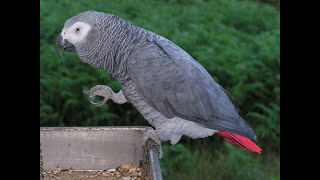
[[76, 33]]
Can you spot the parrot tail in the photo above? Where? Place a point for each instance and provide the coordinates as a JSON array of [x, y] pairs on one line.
[[240, 141]]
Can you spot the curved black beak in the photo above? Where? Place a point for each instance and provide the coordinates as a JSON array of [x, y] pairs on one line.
[[63, 44]]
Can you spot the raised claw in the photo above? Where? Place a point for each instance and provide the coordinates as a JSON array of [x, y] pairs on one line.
[[107, 93], [92, 95]]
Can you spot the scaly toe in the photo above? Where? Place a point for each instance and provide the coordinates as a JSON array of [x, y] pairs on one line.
[[101, 103]]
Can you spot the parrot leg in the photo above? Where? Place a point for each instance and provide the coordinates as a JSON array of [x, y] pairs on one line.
[[107, 93], [175, 139], [152, 134]]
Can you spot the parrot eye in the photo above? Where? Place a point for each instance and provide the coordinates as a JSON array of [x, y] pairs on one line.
[[77, 32]]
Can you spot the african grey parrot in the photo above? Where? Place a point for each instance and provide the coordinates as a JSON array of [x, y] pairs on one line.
[[172, 91]]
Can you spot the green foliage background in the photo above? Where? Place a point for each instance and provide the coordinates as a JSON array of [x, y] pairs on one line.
[[237, 41]]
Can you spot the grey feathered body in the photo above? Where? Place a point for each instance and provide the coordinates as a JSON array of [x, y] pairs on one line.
[[167, 86], [167, 129]]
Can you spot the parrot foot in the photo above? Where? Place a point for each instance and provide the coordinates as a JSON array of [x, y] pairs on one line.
[[152, 135], [175, 139], [107, 93]]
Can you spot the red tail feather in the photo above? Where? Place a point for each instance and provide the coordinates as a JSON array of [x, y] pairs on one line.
[[240, 141]]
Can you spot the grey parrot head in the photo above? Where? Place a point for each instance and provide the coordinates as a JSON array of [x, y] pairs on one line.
[[82, 34]]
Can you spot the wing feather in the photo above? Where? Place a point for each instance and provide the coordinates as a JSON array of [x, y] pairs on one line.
[[173, 83]]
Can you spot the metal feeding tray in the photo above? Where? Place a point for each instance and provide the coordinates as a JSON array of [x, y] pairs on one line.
[[99, 148]]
